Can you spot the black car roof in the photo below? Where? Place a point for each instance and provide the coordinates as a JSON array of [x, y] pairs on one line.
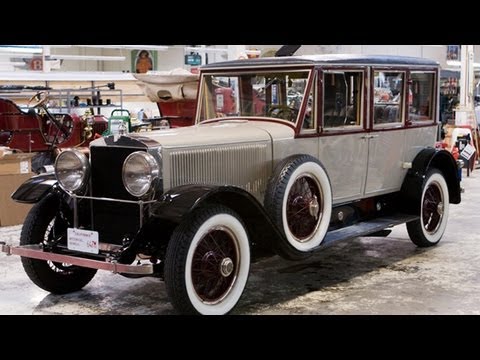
[[325, 59]]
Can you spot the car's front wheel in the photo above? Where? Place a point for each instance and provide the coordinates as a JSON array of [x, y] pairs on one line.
[[207, 262], [42, 226], [429, 229]]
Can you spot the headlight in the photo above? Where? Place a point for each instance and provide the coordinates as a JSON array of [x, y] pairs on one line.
[[139, 171], [72, 170]]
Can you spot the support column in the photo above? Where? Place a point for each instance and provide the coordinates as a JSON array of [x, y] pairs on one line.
[[463, 115]]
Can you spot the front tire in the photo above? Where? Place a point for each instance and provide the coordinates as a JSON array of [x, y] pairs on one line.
[[428, 230], [207, 262], [42, 226]]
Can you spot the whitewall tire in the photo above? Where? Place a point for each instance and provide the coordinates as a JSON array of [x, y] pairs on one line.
[[429, 229], [208, 262], [299, 199]]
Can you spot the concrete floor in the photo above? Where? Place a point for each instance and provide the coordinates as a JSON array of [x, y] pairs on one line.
[[366, 275]]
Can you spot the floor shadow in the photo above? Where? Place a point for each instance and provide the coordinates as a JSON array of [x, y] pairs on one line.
[[272, 281], [275, 280]]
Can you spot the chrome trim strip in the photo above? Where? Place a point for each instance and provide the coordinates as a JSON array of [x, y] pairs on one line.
[[36, 252], [138, 202]]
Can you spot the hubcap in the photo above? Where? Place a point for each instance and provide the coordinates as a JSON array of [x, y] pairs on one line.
[[440, 208], [226, 267]]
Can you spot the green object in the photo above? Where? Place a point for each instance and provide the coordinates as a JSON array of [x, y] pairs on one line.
[[117, 118]]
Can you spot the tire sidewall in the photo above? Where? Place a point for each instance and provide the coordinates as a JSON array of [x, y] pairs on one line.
[[316, 171], [436, 177], [225, 305]]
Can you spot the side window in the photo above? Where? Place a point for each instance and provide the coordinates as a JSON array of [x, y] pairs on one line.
[[309, 120], [420, 96], [388, 93], [342, 99]]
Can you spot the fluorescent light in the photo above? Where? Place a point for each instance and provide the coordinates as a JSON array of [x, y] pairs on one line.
[[87, 57], [65, 76], [454, 63], [26, 49], [130, 47], [458, 63], [14, 63], [206, 50]]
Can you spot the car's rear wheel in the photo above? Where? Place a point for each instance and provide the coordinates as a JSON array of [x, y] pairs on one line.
[[429, 229], [299, 200], [207, 262]]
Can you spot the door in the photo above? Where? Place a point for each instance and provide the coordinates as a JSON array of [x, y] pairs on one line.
[[343, 146], [386, 141]]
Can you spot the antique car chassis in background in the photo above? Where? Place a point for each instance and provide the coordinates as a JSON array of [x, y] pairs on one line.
[[311, 150], [44, 132]]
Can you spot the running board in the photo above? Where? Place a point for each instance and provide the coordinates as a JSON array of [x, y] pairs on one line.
[[36, 252], [366, 227]]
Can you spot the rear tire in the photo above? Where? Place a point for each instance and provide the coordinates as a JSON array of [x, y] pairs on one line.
[[207, 262], [428, 230], [41, 226]]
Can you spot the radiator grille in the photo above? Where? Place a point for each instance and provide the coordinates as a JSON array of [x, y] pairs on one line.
[[111, 219], [244, 166]]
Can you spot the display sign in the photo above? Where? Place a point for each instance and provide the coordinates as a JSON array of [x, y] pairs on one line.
[[193, 59], [467, 152], [82, 240]]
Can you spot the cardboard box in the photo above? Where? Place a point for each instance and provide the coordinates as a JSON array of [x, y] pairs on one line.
[[15, 169], [19, 163], [11, 212]]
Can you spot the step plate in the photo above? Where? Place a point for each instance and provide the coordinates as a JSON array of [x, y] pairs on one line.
[[365, 228]]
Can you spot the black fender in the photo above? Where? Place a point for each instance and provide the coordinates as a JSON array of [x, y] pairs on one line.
[[411, 190], [35, 189], [179, 201]]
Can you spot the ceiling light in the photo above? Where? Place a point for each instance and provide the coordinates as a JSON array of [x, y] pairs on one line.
[[25, 49], [87, 57]]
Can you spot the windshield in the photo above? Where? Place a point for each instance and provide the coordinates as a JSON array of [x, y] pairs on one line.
[[269, 94]]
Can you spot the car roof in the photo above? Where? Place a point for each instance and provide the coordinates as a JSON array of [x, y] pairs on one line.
[[326, 59]]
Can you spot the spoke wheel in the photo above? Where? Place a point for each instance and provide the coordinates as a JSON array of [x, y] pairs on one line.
[[207, 262], [434, 204], [299, 201], [432, 208], [303, 208], [215, 265]]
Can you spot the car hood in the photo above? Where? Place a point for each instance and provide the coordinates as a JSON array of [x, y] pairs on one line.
[[217, 133]]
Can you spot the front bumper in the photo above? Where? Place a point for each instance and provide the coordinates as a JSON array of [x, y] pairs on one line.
[[37, 252]]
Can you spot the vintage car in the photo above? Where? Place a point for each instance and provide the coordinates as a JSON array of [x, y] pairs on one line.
[[175, 93], [39, 130], [194, 206]]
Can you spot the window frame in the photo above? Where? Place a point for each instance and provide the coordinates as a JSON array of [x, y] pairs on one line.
[[434, 95], [388, 125], [232, 72], [363, 98]]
